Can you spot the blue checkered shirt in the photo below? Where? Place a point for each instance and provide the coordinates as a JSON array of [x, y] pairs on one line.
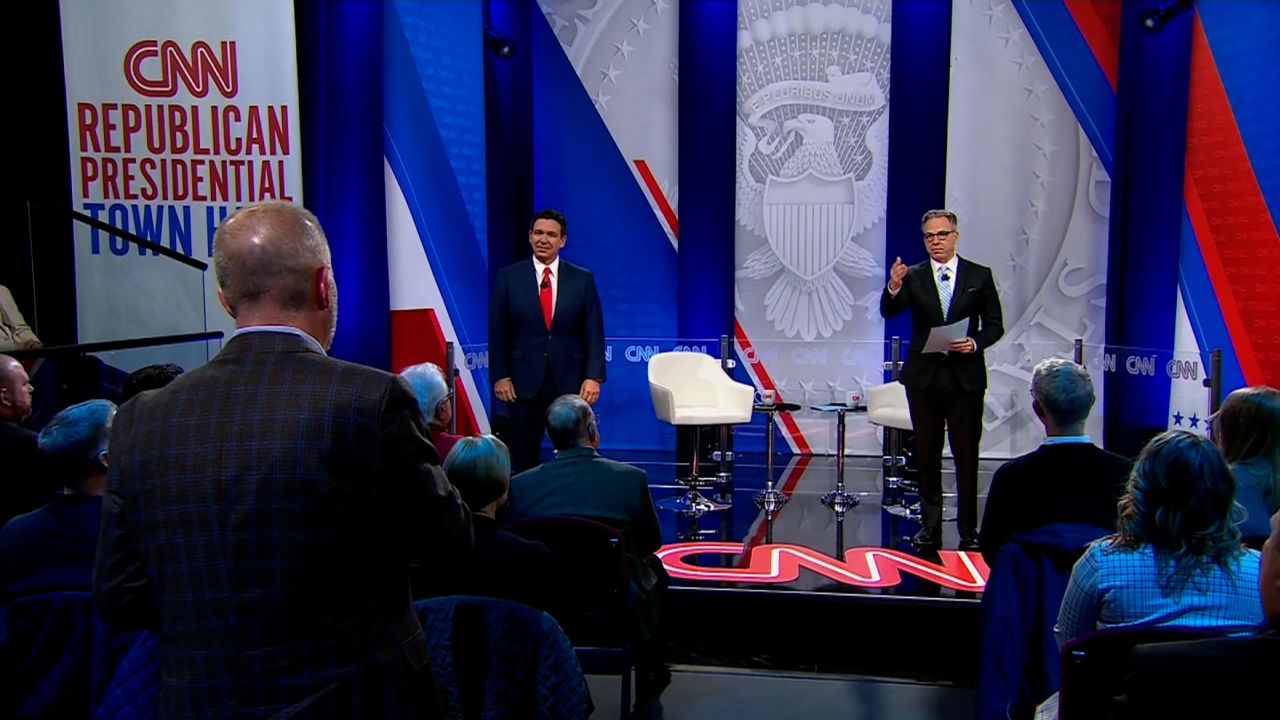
[[1111, 587]]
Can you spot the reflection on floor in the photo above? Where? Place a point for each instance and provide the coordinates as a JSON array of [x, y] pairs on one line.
[[698, 694]]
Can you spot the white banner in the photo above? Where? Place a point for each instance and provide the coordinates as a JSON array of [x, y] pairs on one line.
[[1033, 201], [813, 156], [179, 113]]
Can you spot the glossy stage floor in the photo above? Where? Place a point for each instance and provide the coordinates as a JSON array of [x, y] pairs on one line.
[[812, 589]]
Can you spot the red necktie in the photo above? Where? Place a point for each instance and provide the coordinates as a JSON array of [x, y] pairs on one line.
[[544, 296]]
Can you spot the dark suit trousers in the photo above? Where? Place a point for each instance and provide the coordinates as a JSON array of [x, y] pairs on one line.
[[529, 424], [946, 405]]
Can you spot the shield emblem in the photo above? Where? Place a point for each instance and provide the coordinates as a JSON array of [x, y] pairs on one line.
[[808, 219]]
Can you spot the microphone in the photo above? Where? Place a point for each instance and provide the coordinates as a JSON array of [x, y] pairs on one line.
[[946, 275]]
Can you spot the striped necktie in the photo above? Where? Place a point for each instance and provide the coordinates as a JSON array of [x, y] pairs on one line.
[[944, 290]]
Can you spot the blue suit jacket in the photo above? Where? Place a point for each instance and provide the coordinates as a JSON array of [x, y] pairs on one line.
[[521, 347]]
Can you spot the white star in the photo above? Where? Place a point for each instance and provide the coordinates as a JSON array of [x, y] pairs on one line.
[[1046, 147], [992, 14], [1024, 235], [1024, 62], [659, 6], [601, 100], [639, 25], [1010, 36], [1035, 91], [1042, 119], [610, 73], [1042, 177], [623, 48]]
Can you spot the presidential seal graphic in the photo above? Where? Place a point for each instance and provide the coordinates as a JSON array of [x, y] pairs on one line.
[[812, 157]]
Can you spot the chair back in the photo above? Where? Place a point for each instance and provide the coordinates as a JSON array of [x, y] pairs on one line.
[[1094, 666], [682, 378], [499, 659], [594, 556], [887, 406]]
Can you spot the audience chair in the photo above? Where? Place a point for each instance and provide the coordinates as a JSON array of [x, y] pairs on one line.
[[497, 659], [691, 389], [887, 408], [600, 616], [1094, 666]]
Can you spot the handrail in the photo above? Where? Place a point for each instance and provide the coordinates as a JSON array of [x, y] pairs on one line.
[[113, 230], [108, 345]]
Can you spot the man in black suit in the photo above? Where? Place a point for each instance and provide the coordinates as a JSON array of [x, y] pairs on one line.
[[578, 481], [1068, 478], [945, 390], [546, 336], [25, 486], [263, 510]]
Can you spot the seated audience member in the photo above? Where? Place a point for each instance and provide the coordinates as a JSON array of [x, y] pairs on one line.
[[1247, 428], [52, 548], [15, 334], [149, 377], [429, 384], [25, 485], [578, 481], [1176, 560], [1067, 479], [1168, 680], [502, 565]]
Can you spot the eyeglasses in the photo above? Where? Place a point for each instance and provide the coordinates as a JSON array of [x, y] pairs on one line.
[[940, 235]]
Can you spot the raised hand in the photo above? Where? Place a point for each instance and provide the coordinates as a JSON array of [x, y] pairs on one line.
[[896, 275]]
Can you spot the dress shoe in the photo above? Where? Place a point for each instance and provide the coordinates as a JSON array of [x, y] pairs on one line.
[[969, 542], [927, 539]]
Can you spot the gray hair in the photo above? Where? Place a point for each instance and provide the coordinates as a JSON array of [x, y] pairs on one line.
[[1064, 391], [934, 214], [75, 438], [429, 385], [480, 468], [569, 422], [271, 249]]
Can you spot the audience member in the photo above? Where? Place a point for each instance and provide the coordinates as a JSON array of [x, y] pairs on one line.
[[429, 384], [1177, 559], [263, 510], [1247, 428], [52, 548], [149, 377], [578, 481], [502, 565], [1067, 479], [1167, 680], [15, 334], [26, 485]]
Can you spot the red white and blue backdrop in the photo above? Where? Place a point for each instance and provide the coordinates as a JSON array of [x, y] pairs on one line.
[[1120, 180]]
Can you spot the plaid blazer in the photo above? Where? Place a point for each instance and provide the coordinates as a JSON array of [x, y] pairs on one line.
[[262, 516]]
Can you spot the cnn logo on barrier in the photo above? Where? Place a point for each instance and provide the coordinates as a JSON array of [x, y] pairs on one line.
[[155, 69]]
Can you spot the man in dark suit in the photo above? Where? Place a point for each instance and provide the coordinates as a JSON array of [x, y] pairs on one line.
[[263, 510], [945, 390], [546, 336], [1068, 479], [25, 486], [578, 481]]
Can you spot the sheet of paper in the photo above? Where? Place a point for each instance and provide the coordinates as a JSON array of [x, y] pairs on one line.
[[941, 337]]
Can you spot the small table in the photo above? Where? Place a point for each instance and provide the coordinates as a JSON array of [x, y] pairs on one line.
[[839, 500], [771, 500]]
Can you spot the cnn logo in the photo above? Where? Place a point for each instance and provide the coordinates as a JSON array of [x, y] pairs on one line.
[[155, 69]]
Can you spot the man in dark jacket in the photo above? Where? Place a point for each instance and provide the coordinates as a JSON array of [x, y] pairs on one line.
[[1068, 479], [264, 509]]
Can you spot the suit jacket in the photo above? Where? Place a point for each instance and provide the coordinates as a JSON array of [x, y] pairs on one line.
[[1061, 483], [25, 485], [262, 515], [580, 482], [51, 548], [975, 297], [521, 347]]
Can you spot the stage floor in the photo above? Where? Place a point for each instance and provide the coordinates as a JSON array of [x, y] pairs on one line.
[[805, 546]]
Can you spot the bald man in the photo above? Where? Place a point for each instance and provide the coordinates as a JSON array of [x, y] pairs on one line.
[[264, 510], [24, 486]]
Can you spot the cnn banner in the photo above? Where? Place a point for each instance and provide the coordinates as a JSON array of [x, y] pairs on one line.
[[178, 113]]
